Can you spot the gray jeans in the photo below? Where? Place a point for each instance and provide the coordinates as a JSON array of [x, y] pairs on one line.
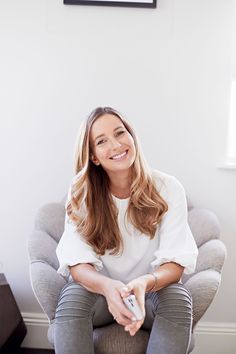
[[168, 316]]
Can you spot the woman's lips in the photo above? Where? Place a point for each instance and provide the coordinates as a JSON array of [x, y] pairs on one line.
[[120, 156]]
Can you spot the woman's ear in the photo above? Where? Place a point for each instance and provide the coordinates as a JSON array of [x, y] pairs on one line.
[[94, 159]]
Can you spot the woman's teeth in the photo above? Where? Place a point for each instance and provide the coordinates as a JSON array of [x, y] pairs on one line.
[[118, 157]]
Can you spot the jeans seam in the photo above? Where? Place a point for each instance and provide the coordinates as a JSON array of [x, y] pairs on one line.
[[173, 323]]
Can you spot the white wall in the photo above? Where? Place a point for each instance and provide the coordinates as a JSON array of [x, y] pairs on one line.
[[233, 58], [167, 69]]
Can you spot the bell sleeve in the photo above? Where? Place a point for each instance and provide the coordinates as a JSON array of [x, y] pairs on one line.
[[73, 249], [176, 242]]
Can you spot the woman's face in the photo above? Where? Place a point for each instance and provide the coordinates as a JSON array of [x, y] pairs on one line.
[[112, 145]]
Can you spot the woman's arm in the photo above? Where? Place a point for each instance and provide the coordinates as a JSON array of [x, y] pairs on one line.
[[86, 275], [166, 274]]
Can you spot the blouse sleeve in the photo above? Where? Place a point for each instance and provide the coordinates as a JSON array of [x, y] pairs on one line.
[[176, 242], [73, 249]]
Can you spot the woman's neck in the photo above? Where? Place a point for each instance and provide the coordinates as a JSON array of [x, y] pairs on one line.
[[120, 187], [121, 194]]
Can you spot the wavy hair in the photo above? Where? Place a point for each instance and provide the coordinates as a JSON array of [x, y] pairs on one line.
[[90, 189]]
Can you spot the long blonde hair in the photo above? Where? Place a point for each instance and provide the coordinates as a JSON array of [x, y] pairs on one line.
[[90, 188]]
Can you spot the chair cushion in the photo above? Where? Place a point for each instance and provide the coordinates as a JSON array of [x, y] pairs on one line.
[[121, 341]]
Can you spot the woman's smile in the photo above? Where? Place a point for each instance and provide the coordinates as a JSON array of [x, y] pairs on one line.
[[120, 157]]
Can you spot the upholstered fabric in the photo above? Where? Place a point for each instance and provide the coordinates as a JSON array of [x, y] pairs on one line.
[[112, 339]]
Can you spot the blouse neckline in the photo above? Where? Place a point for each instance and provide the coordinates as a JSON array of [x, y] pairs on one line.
[[120, 199]]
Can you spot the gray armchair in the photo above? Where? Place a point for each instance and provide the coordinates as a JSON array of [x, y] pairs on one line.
[[47, 283]]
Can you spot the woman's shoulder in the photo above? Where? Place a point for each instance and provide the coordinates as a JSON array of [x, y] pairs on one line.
[[166, 183]]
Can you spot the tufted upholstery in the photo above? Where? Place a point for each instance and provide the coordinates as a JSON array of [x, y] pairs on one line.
[[47, 283]]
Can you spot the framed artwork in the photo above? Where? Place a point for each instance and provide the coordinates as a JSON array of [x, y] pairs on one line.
[[126, 3]]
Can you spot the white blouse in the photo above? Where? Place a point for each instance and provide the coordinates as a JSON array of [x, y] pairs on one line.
[[173, 240]]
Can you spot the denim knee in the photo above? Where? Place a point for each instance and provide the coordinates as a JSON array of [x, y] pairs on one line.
[[174, 303], [75, 302]]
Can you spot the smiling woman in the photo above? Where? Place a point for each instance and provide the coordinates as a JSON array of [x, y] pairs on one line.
[[126, 233]]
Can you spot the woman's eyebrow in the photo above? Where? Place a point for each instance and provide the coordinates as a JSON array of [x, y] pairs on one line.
[[99, 136]]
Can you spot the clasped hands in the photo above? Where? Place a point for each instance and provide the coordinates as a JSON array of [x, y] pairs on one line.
[[115, 293]]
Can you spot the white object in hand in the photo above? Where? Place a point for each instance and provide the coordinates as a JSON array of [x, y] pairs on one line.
[[133, 306]]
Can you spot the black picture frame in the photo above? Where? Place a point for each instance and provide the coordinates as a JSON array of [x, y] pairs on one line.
[[125, 3]]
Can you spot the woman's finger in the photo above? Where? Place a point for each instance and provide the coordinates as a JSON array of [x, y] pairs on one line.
[[126, 290], [121, 313], [124, 321], [134, 327]]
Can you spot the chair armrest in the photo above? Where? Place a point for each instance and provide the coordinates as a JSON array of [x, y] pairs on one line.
[[47, 285], [203, 287], [42, 247], [212, 255]]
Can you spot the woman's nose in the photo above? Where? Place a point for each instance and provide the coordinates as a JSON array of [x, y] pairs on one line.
[[115, 143]]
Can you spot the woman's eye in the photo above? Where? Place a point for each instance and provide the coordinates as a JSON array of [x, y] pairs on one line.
[[121, 132], [100, 142]]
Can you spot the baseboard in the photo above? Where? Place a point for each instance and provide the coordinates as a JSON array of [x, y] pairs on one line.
[[37, 327], [215, 338], [211, 337]]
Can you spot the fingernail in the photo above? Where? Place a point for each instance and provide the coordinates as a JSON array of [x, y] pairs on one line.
[[133, 319], [125, 289]]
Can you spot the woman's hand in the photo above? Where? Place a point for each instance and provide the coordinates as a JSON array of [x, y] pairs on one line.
[[138, 288], [112, 291]]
